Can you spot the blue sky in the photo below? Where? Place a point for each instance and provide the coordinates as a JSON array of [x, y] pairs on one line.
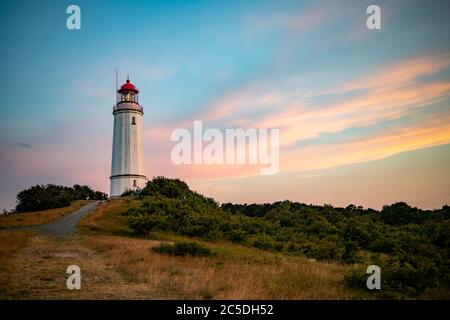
[[341, 94]]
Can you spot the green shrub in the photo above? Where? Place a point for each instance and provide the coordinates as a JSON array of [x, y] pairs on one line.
[[402, 279], [131, 192], [264, 242], [183, 249], [42, 197], [326, 249]]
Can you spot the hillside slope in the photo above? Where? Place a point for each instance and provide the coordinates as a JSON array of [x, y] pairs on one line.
[[233, 271], [410, 245]]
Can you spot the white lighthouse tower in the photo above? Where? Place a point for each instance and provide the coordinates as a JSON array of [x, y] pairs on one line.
[[127, 167]]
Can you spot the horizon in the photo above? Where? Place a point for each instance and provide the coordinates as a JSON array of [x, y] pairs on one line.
[[364, 115]]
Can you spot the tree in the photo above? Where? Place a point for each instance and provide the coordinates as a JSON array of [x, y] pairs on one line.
[[42, 197]]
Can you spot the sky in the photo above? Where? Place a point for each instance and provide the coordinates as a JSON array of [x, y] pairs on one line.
[[364, 115]]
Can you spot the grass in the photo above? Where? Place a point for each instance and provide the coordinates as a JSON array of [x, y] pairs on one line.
[[11, 242], [235, 272], [25, 219], [108, 218]]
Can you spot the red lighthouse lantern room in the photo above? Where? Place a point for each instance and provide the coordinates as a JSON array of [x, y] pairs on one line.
[[127, 93]]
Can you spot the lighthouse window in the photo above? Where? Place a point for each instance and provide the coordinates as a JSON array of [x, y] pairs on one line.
[[134, 183], [133, 120]]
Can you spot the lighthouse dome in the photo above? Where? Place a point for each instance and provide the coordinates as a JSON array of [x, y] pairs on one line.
[[128, 86]]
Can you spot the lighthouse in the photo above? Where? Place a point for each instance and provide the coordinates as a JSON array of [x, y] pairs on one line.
[[127, 165]]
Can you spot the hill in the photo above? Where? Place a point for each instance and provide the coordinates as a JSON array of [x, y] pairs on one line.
[[410, 245]]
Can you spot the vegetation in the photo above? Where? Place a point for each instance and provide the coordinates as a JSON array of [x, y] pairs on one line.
[[409, 244], [182, 249], [233, 271], [50, 196]]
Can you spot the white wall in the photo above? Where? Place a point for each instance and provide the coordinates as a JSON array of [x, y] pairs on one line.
[[128, 151]]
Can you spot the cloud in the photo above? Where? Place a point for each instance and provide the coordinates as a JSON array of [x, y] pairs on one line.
[[390, 93], [395, 75], [398, 90]]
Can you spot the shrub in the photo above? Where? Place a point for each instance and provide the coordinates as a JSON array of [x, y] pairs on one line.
[[183, 249], [131, 192], [170, 188], [326, 249], [401, 213], [264, 242], [42, 197]]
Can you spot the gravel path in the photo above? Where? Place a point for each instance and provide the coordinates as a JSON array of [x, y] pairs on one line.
[[67, 225]]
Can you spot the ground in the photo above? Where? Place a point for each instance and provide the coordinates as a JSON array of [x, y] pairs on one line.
[[115, 265]]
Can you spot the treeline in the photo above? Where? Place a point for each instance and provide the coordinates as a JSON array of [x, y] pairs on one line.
[[409, 244], [42, 197]]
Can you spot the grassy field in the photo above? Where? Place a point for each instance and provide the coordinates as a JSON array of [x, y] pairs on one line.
[[114, 264], [39, 217]]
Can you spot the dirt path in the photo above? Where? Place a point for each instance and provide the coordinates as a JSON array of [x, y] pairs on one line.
[[67, 225]]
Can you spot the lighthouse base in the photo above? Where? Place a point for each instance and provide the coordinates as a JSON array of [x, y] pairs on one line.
[[125, 182]]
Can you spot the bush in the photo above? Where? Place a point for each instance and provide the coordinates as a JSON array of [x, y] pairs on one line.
[[326, 249], [402, 279], [183, 248], [264, 242], [170, 188], [42, 197], [131, 192], [401, 213]]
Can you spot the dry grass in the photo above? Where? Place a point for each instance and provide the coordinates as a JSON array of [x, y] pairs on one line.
[[10, 243], [235, 272], [107, 218], [38, 217]]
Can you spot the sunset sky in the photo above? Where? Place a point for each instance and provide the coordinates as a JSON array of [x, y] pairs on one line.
[[364, 115]]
